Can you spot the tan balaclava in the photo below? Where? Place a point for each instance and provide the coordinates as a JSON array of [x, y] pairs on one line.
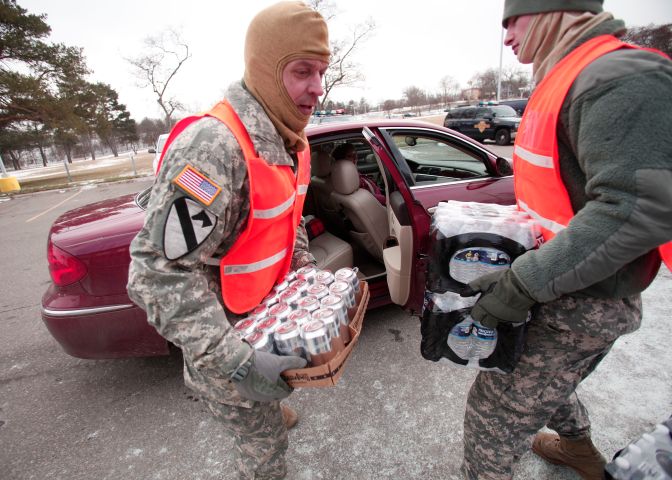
[[550, 35], [279, 34]]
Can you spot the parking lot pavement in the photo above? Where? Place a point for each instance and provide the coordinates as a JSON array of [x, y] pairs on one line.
[[397, 416], [393, 415]]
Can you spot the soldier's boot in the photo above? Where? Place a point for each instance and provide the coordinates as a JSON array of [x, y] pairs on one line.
[[580, 455], [289, 416]]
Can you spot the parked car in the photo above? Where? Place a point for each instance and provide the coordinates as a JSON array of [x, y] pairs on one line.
[[160, 142], [488, 122], [416, 164], [518, 105]]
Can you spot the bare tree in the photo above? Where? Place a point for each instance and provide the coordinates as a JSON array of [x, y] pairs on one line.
[[163, 56], [449, 89], [415, 97], [515, 82], [343, 69]]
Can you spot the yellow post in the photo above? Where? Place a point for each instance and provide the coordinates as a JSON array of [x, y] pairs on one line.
[[9, 184]]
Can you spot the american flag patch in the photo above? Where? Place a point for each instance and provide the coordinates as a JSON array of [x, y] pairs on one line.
[[197, 185]]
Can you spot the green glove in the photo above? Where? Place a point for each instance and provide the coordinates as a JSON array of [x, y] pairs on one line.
[[503, 299], [259, 378]]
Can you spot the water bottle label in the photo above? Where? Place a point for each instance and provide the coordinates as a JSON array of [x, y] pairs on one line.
[[470, 263], [461, 330]]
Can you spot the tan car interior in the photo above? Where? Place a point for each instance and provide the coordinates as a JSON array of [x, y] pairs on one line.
[[355, 222]]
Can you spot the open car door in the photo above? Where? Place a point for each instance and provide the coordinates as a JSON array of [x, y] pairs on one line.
[[408, 226]]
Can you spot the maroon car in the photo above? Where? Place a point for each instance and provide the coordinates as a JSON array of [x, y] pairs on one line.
[[414, 164]]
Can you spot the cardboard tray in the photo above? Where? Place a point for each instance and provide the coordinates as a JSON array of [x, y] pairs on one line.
[[328, 374]]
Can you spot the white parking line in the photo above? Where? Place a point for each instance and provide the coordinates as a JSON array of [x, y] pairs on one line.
[[55, 206]]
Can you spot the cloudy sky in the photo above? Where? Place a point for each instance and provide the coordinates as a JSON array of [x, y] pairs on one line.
[[415, 43]]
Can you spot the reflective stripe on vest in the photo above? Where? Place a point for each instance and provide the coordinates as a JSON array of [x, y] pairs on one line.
[[262, 254], [539, 188]]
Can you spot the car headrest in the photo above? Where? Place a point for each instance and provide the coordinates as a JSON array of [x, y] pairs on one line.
[[345, 177], [321, 164]]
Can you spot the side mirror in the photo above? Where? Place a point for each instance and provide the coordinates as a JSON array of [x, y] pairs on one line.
[[151, 150], [503, 166], [411, 141]]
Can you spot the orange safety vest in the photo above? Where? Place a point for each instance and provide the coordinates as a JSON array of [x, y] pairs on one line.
[[537, 181], [262, 254]]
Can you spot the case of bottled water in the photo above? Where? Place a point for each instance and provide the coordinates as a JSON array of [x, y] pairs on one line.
[[648, 457], [469, 240]]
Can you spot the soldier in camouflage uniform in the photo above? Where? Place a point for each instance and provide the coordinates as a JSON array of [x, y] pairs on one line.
[[172, 278], [582, 286]]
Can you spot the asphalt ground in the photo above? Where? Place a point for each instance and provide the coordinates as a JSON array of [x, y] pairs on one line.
[[392, 415]]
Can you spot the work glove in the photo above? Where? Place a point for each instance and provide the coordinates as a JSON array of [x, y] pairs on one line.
[[503, 299], [261, 381]]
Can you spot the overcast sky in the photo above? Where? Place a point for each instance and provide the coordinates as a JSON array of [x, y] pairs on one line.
[[415, 43]]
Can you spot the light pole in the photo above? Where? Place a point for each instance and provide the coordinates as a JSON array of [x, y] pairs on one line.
[[499, 75]]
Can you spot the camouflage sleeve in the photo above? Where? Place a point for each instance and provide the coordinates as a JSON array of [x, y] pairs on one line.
[[168, 276], [302, 255]]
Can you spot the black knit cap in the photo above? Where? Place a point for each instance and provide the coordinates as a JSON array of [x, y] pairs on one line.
[[515, 8]]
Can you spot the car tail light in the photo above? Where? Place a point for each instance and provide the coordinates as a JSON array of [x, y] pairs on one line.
[[63, 267]]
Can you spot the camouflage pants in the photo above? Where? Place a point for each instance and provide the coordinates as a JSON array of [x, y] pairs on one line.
[[260, 438], [567, 339]]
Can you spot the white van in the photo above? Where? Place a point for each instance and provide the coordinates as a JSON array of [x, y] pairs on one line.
[[160, 142]]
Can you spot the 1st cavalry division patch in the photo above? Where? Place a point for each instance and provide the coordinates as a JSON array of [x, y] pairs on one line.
[[197, 185], [187, 226]]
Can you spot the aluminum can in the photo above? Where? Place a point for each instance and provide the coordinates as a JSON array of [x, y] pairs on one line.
[[316, 342], [348, 275], [290, 276], [260, 341], [281, 287], [280, 310], [290, 296], [258, 312], [336, 302], [318, 290], [345, 290], [325, 277], [330, 319], [246, 326], [301, 285], [288, 341], [271, 299], [307, 273], [300, 316], [309, 303], [268, 324]]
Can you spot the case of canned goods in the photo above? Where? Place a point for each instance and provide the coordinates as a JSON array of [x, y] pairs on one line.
[[330, 372]]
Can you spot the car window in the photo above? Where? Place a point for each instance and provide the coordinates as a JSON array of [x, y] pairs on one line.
[[161, 142], [504, 111], [482, 112], [436, 160], [468, 113]]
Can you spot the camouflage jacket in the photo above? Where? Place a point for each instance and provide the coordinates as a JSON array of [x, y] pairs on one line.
[[169, 277]]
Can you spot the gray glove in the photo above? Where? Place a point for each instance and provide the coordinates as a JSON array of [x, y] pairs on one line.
[[503, 299], [261, 381]]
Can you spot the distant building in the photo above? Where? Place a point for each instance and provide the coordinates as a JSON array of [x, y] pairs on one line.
[[469, 94]]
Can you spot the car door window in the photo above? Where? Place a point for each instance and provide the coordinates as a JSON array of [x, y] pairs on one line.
[[435, 160]]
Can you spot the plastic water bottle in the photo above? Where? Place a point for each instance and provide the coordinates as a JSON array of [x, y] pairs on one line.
[[483, 341], [459, 338], [649, 457]]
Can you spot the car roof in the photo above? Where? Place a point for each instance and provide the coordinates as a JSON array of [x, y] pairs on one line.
[[326, 128]]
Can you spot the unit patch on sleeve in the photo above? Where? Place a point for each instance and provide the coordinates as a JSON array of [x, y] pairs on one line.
[[187, 226], [197, 185]]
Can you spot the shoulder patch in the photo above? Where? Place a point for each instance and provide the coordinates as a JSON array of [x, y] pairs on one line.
[[187, 226], [197, 185]]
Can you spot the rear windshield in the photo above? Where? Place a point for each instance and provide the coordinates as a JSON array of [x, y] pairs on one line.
[[504, 111], [160, 143]]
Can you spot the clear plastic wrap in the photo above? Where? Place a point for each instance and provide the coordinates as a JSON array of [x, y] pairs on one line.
[[469, 240]]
